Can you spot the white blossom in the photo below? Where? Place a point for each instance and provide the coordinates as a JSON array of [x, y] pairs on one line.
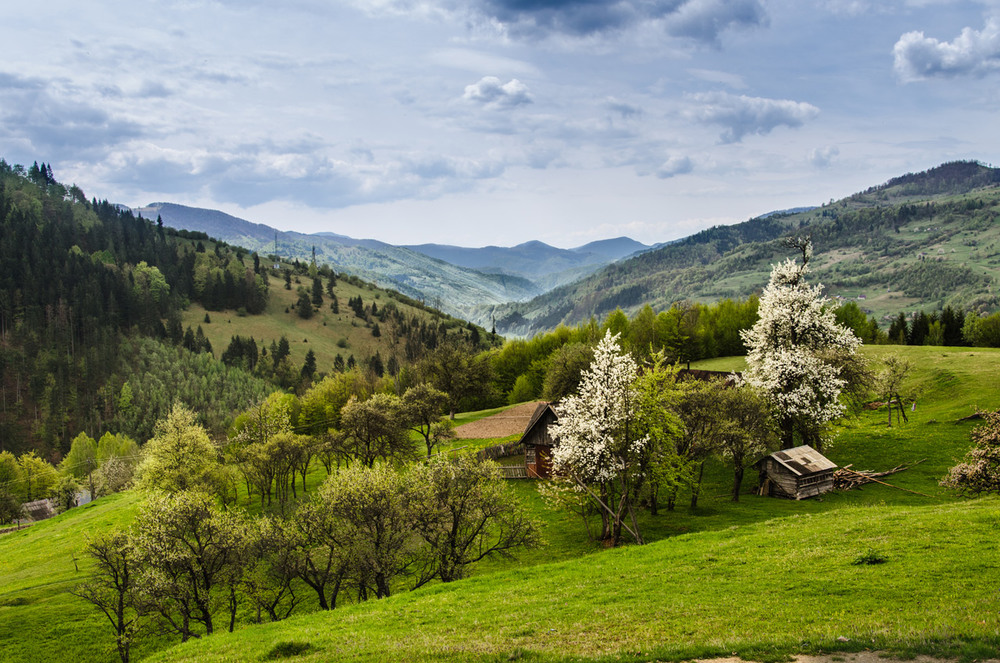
[[594, 426], [795, 349]]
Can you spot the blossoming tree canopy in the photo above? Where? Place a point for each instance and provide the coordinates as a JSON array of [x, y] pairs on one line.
[[796, 350], [599, 443]]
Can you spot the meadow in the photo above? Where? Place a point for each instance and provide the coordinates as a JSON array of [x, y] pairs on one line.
[[761, 578]]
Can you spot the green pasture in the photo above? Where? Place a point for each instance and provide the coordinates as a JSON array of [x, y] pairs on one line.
[[762, 577], [326, 333], [760, 591]]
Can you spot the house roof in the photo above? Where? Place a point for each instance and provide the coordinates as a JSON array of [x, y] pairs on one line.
[[536, 417], [803, 461]]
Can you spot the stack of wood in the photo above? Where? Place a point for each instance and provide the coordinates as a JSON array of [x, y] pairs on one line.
[[847, 479]]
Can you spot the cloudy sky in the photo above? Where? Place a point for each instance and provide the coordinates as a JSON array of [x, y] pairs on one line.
[[478, 122]]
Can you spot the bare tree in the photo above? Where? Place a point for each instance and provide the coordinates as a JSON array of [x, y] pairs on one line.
[[112, 588]]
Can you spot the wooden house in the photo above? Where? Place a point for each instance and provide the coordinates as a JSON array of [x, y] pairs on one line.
[[795, 473], [538, 443]]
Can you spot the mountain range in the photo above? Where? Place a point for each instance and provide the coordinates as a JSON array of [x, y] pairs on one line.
[[921, 240], [455, 279]]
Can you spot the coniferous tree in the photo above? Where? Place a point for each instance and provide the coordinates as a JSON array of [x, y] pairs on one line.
[[317, 292]]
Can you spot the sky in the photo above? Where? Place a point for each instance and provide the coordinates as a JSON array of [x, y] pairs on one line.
[[496, 122]]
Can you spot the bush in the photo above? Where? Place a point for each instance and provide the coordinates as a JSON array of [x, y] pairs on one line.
[[980, 471]]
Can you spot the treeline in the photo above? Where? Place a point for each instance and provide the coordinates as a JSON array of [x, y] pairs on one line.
[[76, 278], [950, 327], [548, 365]]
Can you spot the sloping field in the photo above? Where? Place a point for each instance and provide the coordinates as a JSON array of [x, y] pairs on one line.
[[502, 424], [784, 586]]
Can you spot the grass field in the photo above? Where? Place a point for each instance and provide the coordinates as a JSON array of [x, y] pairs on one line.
[[762, 578], [327, 334], [760, 591]]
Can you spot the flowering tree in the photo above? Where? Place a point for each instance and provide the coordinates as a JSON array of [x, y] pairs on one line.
[[796, 352], [980, 470], [599, 443]]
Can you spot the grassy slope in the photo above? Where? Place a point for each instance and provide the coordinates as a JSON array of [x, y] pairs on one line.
[[36, 565], [39, 619], [766, 576], [781, 586], [321, 333]]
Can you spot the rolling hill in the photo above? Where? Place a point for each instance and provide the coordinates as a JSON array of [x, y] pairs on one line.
[[919, 241], [545, 265], [441, 284]]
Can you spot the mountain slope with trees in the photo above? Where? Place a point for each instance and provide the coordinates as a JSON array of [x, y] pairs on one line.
[[446, 286], [108, 318], [919, 241]]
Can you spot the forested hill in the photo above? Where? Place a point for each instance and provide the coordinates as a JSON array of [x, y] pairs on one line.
[[106, 320], [77, 277], [919, 241]]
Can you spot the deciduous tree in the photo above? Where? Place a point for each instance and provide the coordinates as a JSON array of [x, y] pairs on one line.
[[112, 588], [466, 513], [422, 406], [374, 430], [980, 471], [180, 456], [795, 352], [600, 441]]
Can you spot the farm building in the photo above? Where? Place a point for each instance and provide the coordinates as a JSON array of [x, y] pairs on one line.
[[795, 473], [537, 442]]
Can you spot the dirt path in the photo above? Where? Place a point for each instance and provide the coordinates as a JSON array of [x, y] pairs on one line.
[[502, 424], [856, 657]]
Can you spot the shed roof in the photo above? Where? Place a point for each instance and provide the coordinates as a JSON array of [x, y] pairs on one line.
[[536, 417], [803, 461]]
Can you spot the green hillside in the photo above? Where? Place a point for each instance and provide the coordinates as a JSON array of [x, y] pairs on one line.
[[447, 286], [921, 241], [96, 302], [329, 334], [762, 577], [758, 591]]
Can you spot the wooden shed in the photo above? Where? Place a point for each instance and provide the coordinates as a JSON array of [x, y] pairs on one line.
[[537, 442], [795, 473]]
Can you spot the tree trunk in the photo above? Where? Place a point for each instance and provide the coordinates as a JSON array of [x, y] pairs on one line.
[[737, 481], [787, 434], [696, 488]]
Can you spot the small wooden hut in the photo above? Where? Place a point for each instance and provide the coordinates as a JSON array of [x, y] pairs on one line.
[[538, 443], [795, 473]]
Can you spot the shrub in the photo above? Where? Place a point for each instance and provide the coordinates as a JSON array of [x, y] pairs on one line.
[[980, 471]]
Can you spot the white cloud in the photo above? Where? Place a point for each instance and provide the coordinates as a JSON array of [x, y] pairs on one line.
[[972, 53], [821, 157], [490, 92], [741, 115], [675, 166], [734, 81], [472, 60]]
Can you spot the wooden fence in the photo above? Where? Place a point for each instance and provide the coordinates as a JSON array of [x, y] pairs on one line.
[[514, 471]]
